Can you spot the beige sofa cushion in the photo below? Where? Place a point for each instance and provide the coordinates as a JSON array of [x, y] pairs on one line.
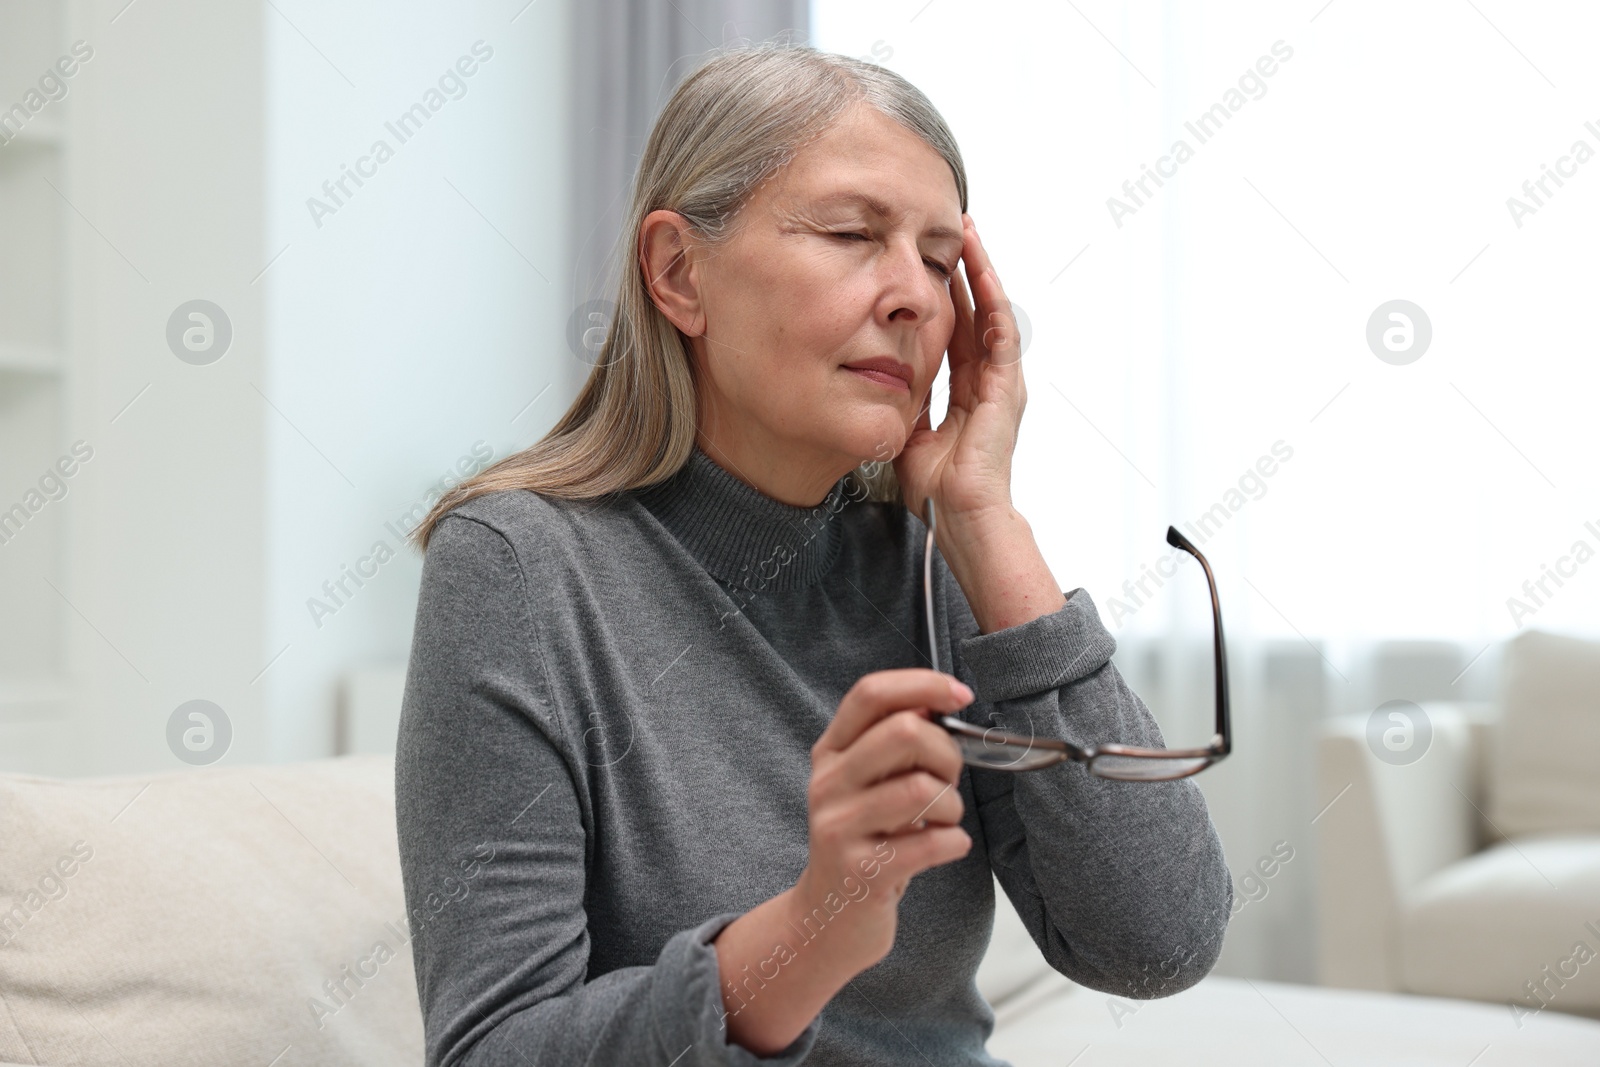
[[193, 918], [1519, 912], [1237, 1022], [1544, 775]]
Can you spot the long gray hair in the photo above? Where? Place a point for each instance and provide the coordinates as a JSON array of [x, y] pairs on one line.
[[729, 126]]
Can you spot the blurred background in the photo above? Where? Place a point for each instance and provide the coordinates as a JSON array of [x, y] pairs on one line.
[[1313, 282]]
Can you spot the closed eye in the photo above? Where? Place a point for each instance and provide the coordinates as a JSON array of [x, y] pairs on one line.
[[943, 270]]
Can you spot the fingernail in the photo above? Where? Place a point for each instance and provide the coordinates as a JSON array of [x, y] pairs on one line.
[[960, 691]]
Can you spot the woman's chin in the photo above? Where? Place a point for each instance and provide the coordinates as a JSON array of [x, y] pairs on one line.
[[874, 435]]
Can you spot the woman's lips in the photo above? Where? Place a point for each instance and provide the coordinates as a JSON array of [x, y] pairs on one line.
[[890, 380]]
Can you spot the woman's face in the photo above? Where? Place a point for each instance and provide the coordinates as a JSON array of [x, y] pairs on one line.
[[842, 256]]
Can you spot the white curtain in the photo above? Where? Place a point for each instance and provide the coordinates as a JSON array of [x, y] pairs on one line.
[[629, 56], [1200, 356]]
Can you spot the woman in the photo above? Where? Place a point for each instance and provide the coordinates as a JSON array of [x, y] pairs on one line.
[[666, 773]]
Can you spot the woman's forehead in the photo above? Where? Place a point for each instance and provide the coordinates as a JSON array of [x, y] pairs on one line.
[[883, 170]]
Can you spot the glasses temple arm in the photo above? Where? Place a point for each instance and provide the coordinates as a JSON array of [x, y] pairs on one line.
[[1224, 736], [927, 585]]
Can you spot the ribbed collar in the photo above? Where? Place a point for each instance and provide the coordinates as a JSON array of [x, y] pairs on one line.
[[744, 537]]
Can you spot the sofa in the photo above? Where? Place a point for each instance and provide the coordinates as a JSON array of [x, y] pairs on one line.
[[253, 916], [1470, 868]]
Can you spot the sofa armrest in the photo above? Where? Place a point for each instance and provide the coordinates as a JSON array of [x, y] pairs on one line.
[[1383, 828]]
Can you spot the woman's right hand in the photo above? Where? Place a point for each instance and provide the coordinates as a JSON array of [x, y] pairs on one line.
[[880, 769], [884, 806]]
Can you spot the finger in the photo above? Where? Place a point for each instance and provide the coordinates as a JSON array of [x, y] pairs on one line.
[[967, 355], [905, 742], [898, 805], [998, 336], [963, 347], [925, 416], [917, 851], [962, 339], [882, 693]]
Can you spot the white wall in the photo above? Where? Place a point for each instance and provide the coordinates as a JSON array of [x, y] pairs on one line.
[[1172, 349], [407, 327], [164, 170], [374, 354]]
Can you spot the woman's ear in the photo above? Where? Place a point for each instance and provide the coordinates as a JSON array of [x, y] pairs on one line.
[[667, 255]]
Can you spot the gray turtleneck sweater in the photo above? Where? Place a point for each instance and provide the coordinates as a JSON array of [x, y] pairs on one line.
[[603, 760]]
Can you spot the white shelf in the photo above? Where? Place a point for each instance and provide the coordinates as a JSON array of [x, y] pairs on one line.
[[40, 132], [34, 359], [37, 700], [30, 698]]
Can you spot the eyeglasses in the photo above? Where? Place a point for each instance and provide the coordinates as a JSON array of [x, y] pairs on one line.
[[998, 750]]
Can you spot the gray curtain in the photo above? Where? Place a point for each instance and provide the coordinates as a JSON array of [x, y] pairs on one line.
[[628, 57]]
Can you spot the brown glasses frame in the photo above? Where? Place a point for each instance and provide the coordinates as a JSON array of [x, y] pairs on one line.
[[995, 749]]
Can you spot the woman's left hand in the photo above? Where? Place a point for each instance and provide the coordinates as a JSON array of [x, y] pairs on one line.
[[965, 465]]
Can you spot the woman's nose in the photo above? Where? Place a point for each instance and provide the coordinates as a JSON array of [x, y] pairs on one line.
[[912, 284]]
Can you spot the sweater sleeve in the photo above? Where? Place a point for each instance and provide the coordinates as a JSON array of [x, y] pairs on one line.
[[1123, 885], [494, 848]]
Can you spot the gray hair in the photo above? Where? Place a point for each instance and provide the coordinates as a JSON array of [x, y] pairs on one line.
[[730, 125]]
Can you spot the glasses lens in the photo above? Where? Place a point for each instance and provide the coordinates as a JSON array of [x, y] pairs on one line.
[[1146, 768], [1002, 756]]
